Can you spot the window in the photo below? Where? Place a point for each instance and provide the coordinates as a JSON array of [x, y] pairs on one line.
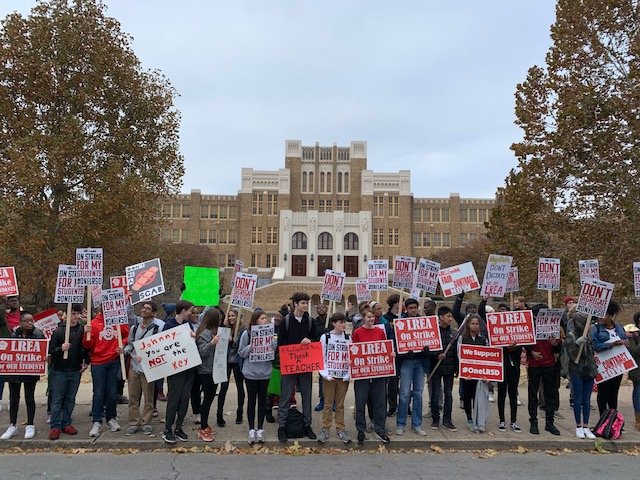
[[166, 210], [256, 235], [473, 215], [345, 179], [437, 239], [378, 236], [256, 207], [325, 205], [321, 182], [377, 206], [272, 235], [306, 205], [446, 240], [351, 241], [304, 181], [339, 189], [223, 211], [299, 241], [185, 211], [207, 236], [343, 205], [233, 236], [464, 215], [231, 259], [416, 215], [417, 239], [435, 214], [271, 260], [325, 241], [394, 206], [445, 214], [329, 182], [311, 182], [256, 260], [272, 204], [166, 234], [426, 239], [464, 238], [233, 213], [482, 215], [393, 237], [179, 235]]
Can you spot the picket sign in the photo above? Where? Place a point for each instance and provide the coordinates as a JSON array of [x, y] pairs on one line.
[[123, 366], [594, 298]]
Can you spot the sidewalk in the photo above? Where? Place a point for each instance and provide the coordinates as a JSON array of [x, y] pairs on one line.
[[442, 438]]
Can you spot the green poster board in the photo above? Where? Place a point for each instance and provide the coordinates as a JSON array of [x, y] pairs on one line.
[[203, 285]]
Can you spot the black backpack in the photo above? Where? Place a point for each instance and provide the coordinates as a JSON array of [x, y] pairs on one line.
[[295, 424]]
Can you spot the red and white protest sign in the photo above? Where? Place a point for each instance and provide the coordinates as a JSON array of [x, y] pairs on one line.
[[363, 294], [298, 358], [23, 356], [167, 353], [337, 358], [378, 275], [613, 362], [589, 269], [496, 276], [46, 321], [67, 289], [96, 295], [507, 328], [415, 333], [458, 279], [238, 265], [595, 296], [403, 268], [513, 281], [244, 289], [372, 360], [333, 285], [8, 282], [262, 343], [549, 274], [89, 264], [481, 363], [426, 276], [120, 282], [114, 307], [636, 278], [548, 323]]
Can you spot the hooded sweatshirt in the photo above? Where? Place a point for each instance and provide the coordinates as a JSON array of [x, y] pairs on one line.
[[103, 344], [253, 370]]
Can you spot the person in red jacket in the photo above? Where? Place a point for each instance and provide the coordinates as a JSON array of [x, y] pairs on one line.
[[104, 350]]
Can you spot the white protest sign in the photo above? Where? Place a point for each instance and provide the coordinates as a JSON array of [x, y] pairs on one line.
[[333, 285], [458, 279], [46, 321], [220, 356], [426, 276], [67, 290], [238, 265], [496, 276], [636, 278], [403, 268], [96, 295], [415, 293], [589, 269], [337, 356], [244, 288], [548, 323], [144, 280], [89, 264], [549, 274], [262, 343], [513, 281], [613, 362], [378, 275], [114, 307], [167, 353], [363, 294], [594, 297]]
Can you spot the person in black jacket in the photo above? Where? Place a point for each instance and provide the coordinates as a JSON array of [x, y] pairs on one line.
[[471, 335], [322, 327], [444, 372]]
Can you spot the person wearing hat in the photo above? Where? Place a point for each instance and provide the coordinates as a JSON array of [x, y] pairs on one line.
[[633, 335]]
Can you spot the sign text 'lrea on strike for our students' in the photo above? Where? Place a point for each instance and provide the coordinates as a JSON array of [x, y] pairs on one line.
[[299, 358], [413, 334], [508, 328], [372, 360], [8, 283], [23, 356]]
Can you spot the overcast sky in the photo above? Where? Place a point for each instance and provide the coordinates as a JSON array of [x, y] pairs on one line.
[[428, 84]]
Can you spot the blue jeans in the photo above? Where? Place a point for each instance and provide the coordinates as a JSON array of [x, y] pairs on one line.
[[411, 386], [105, 390], [63, 387], [636, 397], [581, 398]]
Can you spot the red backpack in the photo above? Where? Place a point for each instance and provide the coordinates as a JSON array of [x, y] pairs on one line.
[[610, 425]]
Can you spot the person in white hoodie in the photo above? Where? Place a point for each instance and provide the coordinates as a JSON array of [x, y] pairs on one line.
[[335, 377]]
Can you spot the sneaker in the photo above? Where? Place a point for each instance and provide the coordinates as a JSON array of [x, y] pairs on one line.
[[308, 432], [168, 436], [54, 434], [503, 427], [205, 435], [323, 436], [251, 438], [344, 436], [361, 438], [515, 428], [48, 419], [399, 430], [491, 398], [383, 438], [418, 431], [196, 419], [11, 432], [588, 433], [282, 435], [580, 432], [435, 425], [180, 435], [122, 400], [551, 428], [147, 429], [155, 412], [470, 425], [519, 403], [391, 412], [450, 426], [29, 432], [260, 436], [132, 429], [95, 429], [320, 406], [558, 415], [369, 426], [114, 426], [70, 430]]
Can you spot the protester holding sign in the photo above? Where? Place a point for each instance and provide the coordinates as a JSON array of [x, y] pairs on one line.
[[207, 338], [393, 312], [605, 335], [105, 363], [633, 334], [233, 365], [64, 374], [322, 327], [256, 375]]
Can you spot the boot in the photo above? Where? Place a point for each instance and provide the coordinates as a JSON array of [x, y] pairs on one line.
[[534, 427], [220, 419], [638, 421], [238, 416], [269, 416], [551, 428]]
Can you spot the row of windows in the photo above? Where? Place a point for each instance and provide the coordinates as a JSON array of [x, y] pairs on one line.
[[324, 205], [427, 239], [175, 235], [392, 236], [325, 184], [226, 259], [325, 241], [271, 237], [270, 260], [177, 210], [421, 214], [474, 215], [218, 236], [262, 200], [467, 237], [308, 153], [393, 206], [219, 211]]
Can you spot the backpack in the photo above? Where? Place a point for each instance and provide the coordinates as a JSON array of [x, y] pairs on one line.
[[286, 323], [295, 424], [610, 425]]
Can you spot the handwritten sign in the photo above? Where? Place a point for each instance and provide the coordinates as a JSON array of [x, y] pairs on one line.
[[89, 264], [589, 269], [478, 362], [548, 323], [403, 268], [244, 289], [333, 285], [496, 276], [549, 274], [337, 358], [458, 279], [298, 358], [363, 294], [594, 297], [426, 276], [167, 353], [145, 280], [8, 282], [202, 285], [513, 281], [67, 290], [636, 278], [613, 362], [372, 360], [23, 356], [238, 265], [46, 321], [114, 307], [378, 275], [262, 343], [220, 356], [507, 328], [415, 333]]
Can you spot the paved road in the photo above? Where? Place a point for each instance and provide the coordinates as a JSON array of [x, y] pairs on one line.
[[159, 466]]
